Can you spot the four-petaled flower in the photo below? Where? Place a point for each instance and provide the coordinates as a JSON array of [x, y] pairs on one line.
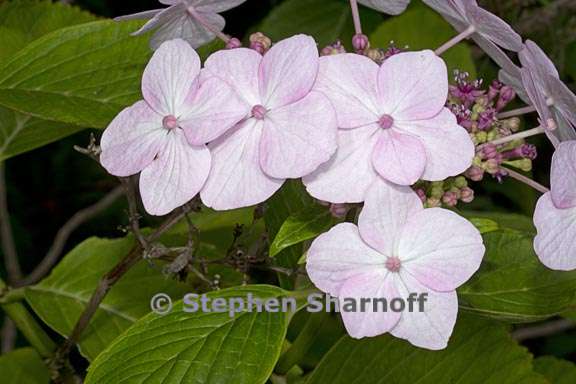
[[149, 136], [555, 214], [398, 248], [196, 21], [393, 124], [288, 131]]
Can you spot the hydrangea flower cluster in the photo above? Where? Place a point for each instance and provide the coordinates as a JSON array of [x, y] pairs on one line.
[[379, 127]]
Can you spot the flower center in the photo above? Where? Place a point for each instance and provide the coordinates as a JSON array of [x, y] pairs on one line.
[[259, 111], [393, 264], [170, 122], [386, 121]]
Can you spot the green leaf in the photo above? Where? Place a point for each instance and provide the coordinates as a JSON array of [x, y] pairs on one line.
[[302, 226], [61, 297], [484, 225], [23, 366], [509, 221], [290, 199], [325, 20], [82, 75], [21, 22], [513, 285], [200, 347], [21, 133], [422, 28], [479, 352], [557, 371]]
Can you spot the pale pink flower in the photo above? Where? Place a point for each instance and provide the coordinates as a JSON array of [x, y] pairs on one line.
[[395, 250], [288, 130], [393, 124], [555, 214], [390, 7], [149, 137], [196, 21]]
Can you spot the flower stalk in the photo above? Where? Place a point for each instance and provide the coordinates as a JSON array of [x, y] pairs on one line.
[[455, 40]]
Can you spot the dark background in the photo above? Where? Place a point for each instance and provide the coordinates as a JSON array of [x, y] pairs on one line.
[[48, 185]]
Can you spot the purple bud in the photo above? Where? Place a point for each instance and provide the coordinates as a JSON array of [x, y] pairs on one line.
[[475, 173], [421, 194], [333, 49], [488, 151], [450, 199], [360, 42], [507, 94], [467, 194], [258, 47], [260, 42], [339, 211], [233, 43], [494, 89]]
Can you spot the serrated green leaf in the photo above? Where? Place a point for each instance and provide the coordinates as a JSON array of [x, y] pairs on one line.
[[479, 352], [325, 20], [82, 75], [291, 198], [299, 227], [422, 28], [201, 347], [484, 225], [21, 22], [61, 297], [513, 285], [23, 366], [557, 371]]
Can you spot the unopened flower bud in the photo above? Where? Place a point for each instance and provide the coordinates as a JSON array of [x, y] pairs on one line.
[[491, 166], [233, 43], [333, 49], [421, 194], [375, 55], [339, 211], [433, 202], [360, 42], [460, 182], [512, 123], [450, 199], [507, 94], [481, 137], [488, 151], [260, 42], [522, 164], [467, 195], [475, 173]]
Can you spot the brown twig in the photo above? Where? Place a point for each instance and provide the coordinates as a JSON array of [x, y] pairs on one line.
[[133, 215], [8, 246], [64, 233], [108, 281], [543, 330]]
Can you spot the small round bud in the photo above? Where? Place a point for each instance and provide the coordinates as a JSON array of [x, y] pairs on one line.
[[339, 211], [260, 42], [460, 182], [360, 42], [467, 195], [233, 43]]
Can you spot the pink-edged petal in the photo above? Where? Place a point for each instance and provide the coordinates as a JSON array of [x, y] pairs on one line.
[[346, 177], [140, 15], [349, 81], [132, 140], [535, 59], [440, 249], [217, 6], [494, 28], [239, 68], [431, 328], [339, 254], [298, 138], [236, 179], [563, 175], [554, 242], [495, 53], [536, 95], [169, 77], [377, 284], [566, 131], [211, 111], [183, 26], [399, 158], [413, 85], [390, 7], [386, 210], [449, 148], [288, 71], [160, 17], [175, 176]]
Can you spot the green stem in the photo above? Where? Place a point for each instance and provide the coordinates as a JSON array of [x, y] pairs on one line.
[[26, 323], [302, 344]]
